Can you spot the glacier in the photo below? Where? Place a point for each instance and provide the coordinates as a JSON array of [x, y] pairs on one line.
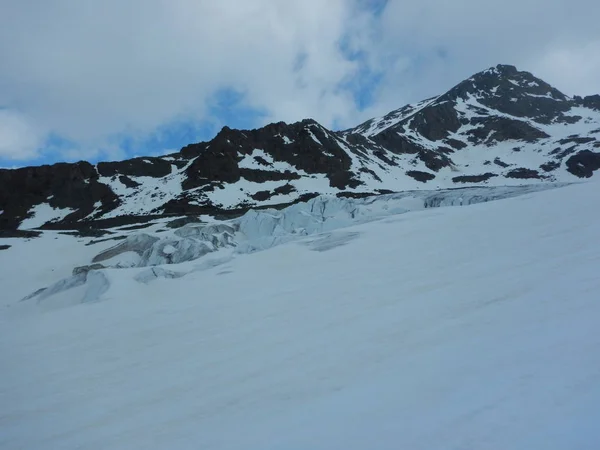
[[470, 326], [259, 230]]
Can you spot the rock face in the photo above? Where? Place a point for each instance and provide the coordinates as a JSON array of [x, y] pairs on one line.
[[500, 126], [74, 186]]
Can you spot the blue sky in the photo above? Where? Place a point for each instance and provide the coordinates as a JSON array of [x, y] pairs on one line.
[[172, 73]]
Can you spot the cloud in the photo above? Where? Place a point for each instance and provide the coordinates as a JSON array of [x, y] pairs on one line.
[[87, 70], [102, 74], [574, 66], [425, 47], [18, 138]]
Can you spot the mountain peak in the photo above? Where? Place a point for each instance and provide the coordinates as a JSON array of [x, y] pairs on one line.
[[502, 69], [505, 81], [510, 91]]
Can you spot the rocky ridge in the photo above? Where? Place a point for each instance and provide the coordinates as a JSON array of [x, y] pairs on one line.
[[501, 126]]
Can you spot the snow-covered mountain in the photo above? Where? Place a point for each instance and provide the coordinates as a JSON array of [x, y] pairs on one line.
[[253, 283], [499, 127]]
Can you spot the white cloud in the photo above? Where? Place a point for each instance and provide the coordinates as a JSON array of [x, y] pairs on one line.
[[428, 46], [91, 70], [576, 67], [19, 140]]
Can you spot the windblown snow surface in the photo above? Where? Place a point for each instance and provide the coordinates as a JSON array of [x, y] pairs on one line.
[[466, 327]]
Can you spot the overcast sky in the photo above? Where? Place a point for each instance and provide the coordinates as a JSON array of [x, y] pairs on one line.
[[89, 79]]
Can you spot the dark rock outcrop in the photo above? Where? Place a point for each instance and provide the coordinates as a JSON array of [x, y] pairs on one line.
[[500, 129], [128, 182], [591, 101], [136, 167], [24, 234], [435, 122], [420, 176], [576, 140], [500, 163], [523, 173], [550, 166], [584, 163], [62, 185], [474, 178]]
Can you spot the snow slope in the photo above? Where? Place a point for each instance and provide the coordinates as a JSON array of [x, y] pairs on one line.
[[142, 253], [450, 328]]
